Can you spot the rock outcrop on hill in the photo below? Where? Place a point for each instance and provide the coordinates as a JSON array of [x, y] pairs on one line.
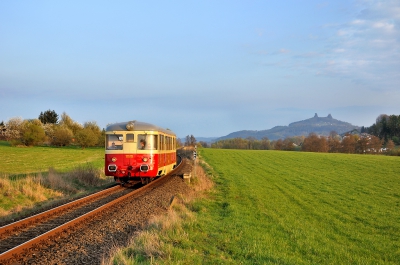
[[318, 125]]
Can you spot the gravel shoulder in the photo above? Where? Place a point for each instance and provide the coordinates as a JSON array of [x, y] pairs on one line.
[[92, 243]]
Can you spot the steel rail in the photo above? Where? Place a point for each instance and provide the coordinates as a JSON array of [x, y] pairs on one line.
[[14, 254], [7, 230]]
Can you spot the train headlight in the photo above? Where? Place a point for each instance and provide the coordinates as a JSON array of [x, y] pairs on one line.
[[114, 159], [144, 159], [112, 168]]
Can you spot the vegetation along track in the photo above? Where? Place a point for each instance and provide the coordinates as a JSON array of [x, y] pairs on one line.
[[21, 241]]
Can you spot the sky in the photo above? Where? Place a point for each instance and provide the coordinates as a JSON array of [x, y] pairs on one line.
[[202, 68]]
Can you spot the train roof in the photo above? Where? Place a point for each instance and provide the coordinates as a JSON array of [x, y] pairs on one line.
[[136, 126]]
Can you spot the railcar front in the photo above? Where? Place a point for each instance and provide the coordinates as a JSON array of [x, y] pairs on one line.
[[138, 151]]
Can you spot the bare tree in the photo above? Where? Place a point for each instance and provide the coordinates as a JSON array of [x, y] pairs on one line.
[[349, 144], [390, 145], [315, 143]]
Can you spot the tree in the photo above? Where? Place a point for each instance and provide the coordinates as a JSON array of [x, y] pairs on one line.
[[362, 145], [86, 137], [315, 143], [178, 142], [288, 144], [2, 130], [13, 129], [70, 123], [349, 144], [49, 116], [62, 136], [334, 144], [203, 144], [190, 140], [396, 140], [375, 144], [265, 143], [33, 134], [92, 125], [390, 145], [278, 144]]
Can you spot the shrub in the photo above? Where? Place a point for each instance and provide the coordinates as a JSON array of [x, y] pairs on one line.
[[394, 152], [87, 175], [12, 129], [55, 181], [62, 136], [86, 137], [33, 134]]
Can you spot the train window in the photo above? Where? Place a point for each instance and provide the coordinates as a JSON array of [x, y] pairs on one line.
[[114, 141], [147, 142], [162, 142], [130, 137]]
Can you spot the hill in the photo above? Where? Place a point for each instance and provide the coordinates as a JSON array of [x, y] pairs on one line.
[[318, 125]]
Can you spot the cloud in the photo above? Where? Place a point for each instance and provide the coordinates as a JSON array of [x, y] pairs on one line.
[[367, 47], [364, 49]]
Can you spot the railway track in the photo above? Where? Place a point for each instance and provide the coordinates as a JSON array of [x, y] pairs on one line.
[[26, 237]]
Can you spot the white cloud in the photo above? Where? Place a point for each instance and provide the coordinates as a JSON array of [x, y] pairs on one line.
[[368, 47], [358, 22], [385, 25]]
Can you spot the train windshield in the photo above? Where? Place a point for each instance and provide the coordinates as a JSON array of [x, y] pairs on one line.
[[114, 141], [147, 142]]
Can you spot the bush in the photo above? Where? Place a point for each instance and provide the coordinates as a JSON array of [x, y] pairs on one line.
[[87, 175], [62, 136], [394, 152], [86, 137], [12, 129], [33, 135]]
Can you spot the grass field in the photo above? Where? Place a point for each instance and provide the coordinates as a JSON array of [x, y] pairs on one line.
[[274, 207], [303, 208], [24, 160], [35, 176]]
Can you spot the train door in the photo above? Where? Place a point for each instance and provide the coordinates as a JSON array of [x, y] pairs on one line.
[[129, 150], [162, 150]]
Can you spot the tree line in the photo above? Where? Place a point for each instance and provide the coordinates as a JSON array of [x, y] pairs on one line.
[[382, 136], [386, 127], [51, 129], [349, 143]]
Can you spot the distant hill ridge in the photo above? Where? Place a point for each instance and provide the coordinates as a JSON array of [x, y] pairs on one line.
[[318, 125]]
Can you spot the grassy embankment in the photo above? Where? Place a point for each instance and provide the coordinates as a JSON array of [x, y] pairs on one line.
[[36, 174], [272, 207]]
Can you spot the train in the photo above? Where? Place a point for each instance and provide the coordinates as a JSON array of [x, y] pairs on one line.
[[138, 151]]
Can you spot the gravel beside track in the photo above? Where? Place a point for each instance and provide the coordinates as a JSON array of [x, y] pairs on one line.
[[28, 233], [92, 242]]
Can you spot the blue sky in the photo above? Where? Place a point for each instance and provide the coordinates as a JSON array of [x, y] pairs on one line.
[[206, 68]]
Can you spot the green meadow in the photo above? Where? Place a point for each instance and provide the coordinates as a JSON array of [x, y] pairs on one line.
[[28, 160], [303, 208], [31, 177], [277, 207]]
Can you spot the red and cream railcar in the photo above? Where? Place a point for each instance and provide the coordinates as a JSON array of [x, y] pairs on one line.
[[138, 151]]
